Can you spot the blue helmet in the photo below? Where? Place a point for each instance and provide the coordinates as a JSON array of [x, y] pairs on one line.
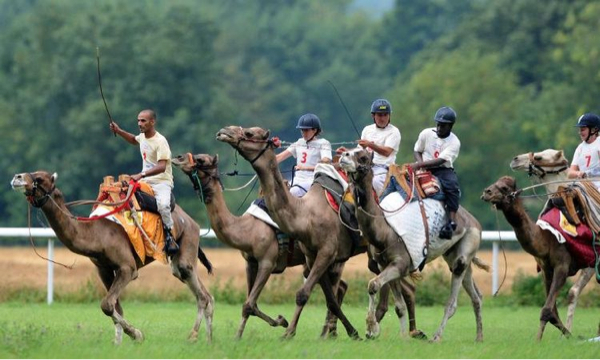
[[445, 115], [381, 106], [309, 121], [589, 119]]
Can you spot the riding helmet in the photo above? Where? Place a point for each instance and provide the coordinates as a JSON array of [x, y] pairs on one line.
[[445, 115], [381, 106]]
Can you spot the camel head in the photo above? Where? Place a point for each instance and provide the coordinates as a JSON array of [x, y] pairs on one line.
[[250, 142], [356, 162], [188, 162], [549, 161], [37, 186], [501, 193]]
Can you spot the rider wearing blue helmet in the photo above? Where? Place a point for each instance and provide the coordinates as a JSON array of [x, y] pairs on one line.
[[436, 150], [382, 139], [586, 160], [309, 150]]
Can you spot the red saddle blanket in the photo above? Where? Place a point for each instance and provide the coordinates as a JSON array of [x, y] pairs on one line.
[[578, 238]]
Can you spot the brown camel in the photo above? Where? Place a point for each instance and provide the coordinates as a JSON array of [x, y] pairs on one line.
[[551, 256], [392, 253], [323, 239], [254, 238], [550, 167], [258, 242], [108, 247]]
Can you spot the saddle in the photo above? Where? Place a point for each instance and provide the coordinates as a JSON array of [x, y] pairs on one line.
[[403, 180], [140, 218]]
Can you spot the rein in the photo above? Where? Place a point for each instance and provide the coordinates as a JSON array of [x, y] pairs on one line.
[[41, 201], [538, 170], [273, 142]]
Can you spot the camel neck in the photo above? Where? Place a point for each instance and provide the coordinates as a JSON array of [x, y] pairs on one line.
[[526, 230]]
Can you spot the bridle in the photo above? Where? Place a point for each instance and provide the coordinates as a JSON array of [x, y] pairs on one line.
[[539, 171], [36, 187], [273, 142], [201, 188]]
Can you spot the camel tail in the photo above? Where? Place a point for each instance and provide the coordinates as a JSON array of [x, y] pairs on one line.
[[204, 260], [481, 264]]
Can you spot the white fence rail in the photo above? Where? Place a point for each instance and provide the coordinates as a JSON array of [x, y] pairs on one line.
[[494, 236]]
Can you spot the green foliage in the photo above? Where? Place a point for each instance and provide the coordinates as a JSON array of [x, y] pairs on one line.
[[529, 290], [518, 72]]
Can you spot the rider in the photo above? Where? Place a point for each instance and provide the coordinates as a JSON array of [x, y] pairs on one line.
[[381, 138], [156, 168], [436, 149], [309, 150], [586, 160]]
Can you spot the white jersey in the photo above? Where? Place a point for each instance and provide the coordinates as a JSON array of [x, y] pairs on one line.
[[388, 136], [587, 157], [309, 155], [152, 150], [434, 147]]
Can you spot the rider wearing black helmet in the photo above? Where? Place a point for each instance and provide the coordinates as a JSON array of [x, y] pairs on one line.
[[586, 160], [436, 149], [309, 150], [383, 139]]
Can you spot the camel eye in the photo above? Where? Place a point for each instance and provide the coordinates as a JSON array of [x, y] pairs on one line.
[[248, 134]]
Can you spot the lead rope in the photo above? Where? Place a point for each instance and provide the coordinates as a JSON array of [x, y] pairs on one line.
[[595, 243], [33, 243], [503, 254]]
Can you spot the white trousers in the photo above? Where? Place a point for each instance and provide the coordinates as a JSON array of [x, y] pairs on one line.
[[162, 193], [379, 175]]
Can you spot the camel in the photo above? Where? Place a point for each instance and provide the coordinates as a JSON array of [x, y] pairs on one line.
[[550, 168], [253, 237], [323, 239], [393, 256], [107, 245], [551, 256]]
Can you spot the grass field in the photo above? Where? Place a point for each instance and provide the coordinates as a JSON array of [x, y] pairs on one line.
[[82, 331]]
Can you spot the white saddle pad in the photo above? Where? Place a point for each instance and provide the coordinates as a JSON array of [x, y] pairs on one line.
[[330, 171], [408, 224], [260, 214]]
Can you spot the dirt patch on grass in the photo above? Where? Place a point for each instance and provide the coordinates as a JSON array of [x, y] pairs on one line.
[[21, 267]]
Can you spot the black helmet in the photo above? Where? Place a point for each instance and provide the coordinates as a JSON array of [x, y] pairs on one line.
[[589, 119], [445, 115], [381, 106], [309, 121]]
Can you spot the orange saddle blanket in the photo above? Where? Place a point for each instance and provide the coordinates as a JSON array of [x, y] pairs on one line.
[[144, 228]]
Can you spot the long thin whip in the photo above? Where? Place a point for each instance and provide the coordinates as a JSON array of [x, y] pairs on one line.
[[345, 108], [100, 85]]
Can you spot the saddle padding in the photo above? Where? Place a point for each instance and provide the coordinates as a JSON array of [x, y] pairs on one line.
[[408, 224]]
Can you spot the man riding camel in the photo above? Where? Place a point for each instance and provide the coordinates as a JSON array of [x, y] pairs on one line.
[[436, 150], [156, 168]]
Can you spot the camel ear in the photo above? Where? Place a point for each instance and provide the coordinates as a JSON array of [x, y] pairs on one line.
[[54, 177], [372, 156], [267, 135], [216, 161]]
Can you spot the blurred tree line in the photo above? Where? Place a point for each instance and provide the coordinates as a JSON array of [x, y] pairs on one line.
[[518, 73]]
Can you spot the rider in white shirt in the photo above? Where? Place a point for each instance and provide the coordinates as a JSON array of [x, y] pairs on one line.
[[586, 160], [436, 149], [382, 139], [309, 150]]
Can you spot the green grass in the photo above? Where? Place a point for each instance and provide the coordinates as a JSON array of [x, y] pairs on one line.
[[82, 331]]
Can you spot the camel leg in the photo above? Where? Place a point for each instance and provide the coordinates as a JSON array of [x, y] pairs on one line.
[[334, 307], [107, 276], [473, 292], [557, 280], [391, 272], [584, 278], [109, 306], [317, 269], [399, 304], [257, 277], [186, 272], [458, 267], [330, 327], [408, 294]]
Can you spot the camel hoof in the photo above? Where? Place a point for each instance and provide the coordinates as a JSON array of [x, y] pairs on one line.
[[282, 321], [193, 337], [418, 334], [137, 336], [436, 339], [288, 335]]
